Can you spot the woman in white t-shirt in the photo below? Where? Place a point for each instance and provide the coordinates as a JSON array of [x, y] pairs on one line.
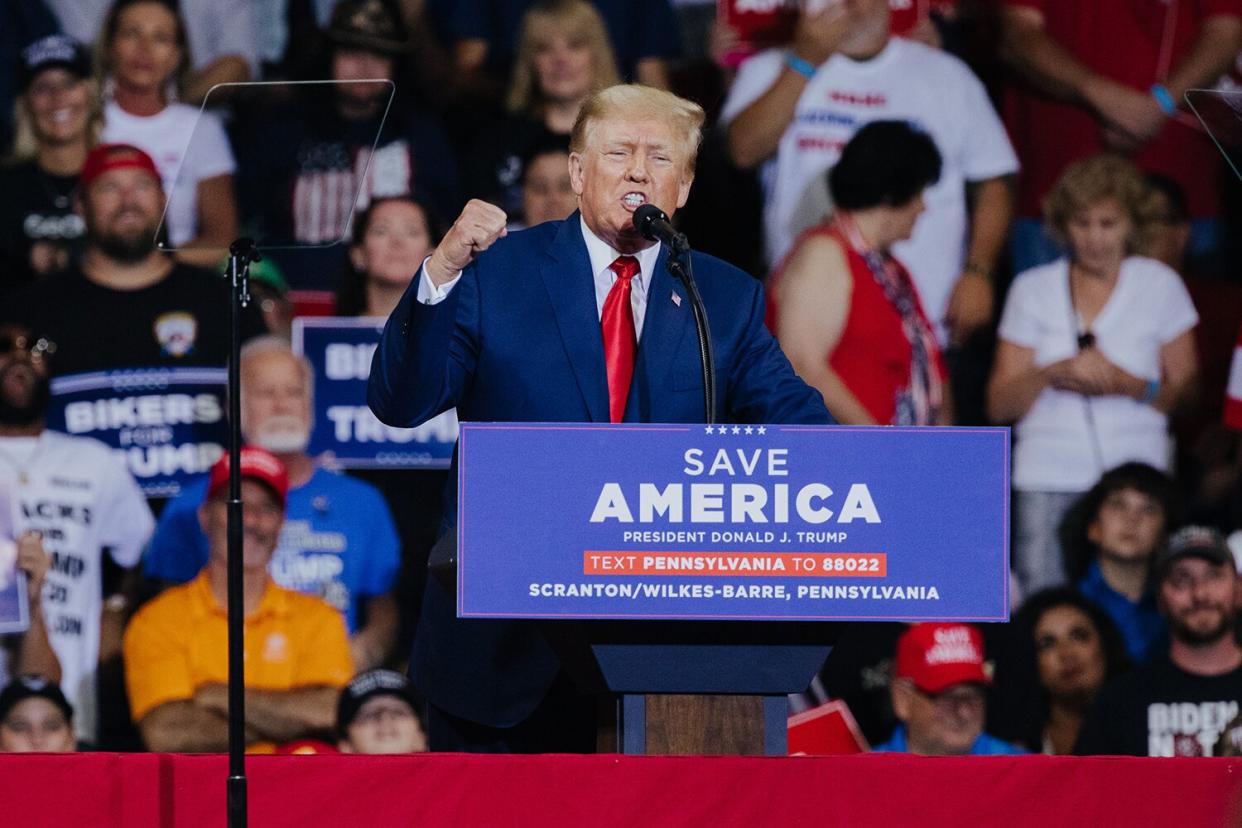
[[1094, 350], [145, 53]]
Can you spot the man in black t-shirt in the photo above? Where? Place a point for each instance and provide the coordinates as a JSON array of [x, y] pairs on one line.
[[1180, 703], [128, 305], [305, 166]]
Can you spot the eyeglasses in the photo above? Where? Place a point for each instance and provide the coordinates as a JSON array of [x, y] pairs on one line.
[[952, 701], [35, 348], [396, 712]]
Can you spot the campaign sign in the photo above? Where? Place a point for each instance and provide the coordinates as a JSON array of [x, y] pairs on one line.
[[758, 25], [14, 609], [168, 423], [346, 433], [733, 522]]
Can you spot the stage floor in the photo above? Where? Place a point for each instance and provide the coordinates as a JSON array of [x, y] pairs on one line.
[[104, 790]]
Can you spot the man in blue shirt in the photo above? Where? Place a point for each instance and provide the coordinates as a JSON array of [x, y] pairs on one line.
[[939, 694], [338, 540]]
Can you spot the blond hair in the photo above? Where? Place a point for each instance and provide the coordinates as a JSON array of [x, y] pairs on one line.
[[636, 102], [26, 143], [574, 19], [1099, 178]]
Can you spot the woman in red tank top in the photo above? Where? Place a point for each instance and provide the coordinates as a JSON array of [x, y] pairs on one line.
[[844, 309]]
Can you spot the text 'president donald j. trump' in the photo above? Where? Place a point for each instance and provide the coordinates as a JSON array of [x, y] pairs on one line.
[[570, 321]]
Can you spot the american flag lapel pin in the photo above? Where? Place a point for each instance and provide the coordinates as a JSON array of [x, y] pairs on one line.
[[676, 299]]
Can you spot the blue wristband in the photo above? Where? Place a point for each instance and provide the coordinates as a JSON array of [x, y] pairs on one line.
[[802, 67], [1153, 388], [1165, 98]]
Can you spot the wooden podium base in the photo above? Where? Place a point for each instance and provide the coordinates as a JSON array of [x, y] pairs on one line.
[[679, 725]]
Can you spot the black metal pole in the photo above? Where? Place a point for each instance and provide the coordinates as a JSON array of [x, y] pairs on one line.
[[679, 266], [241, 254]]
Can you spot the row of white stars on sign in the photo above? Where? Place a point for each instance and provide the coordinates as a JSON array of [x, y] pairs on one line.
[[737, 430]]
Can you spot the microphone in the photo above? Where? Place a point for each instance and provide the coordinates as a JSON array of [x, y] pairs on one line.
[[653, 224]]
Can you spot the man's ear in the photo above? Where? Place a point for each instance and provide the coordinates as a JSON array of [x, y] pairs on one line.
[[576, 173], [900, 692], [1093, 531]]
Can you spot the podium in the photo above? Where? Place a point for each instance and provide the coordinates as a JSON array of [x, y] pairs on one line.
[[697, 574], [693, 687], [682, 687]]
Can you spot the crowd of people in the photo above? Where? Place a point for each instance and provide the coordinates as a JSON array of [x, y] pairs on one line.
[[964, 214]]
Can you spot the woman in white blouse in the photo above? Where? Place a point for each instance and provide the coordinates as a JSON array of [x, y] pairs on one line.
[[144, 52], [1094, 350]]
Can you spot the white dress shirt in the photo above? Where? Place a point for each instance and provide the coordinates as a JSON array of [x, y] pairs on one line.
[[601, 254]]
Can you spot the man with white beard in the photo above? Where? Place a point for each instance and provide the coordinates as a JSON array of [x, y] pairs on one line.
[[338, 540]]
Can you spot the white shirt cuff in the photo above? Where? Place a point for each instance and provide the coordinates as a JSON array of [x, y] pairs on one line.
[[428, 293]]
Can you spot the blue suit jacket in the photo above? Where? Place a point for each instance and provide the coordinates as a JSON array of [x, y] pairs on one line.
[[518, 339]]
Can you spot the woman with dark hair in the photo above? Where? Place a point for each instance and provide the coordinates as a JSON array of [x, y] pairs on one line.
[[144, 56], [844, 308], [1063, 649], [1109, 537], [390, 240], [1094, 350]]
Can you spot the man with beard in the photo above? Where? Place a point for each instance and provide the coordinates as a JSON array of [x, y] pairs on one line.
[[128, 305], [338, 541], [77, 494], [176, 647], [1180, 704]]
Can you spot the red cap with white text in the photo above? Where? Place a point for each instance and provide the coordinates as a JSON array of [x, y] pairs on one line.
[[937, 656], [256, 464]]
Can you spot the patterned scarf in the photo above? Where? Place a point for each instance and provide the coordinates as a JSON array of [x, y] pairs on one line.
[[918, 403]]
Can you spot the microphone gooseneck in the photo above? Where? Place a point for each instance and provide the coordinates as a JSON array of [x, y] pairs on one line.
[[653, 224]]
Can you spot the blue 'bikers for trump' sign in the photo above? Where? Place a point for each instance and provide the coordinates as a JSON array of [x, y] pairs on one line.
[[733, 522]]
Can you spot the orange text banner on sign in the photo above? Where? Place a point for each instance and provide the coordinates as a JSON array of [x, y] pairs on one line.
[[804, 564]]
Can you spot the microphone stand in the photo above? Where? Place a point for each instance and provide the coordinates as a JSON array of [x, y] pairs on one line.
[[679, 265], [241, 253]]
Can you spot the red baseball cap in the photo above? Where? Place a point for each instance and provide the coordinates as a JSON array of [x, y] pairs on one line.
[[107, 157], [937, 656], [256, 464]]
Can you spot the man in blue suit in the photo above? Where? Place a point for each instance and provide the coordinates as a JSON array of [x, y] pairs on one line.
[[571, 321]]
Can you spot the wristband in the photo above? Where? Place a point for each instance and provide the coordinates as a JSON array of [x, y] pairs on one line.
[[977, 269], [1153, 388], [1165, 98], [802, 67]]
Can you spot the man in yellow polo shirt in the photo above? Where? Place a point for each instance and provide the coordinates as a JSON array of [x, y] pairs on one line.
[[176, 647]]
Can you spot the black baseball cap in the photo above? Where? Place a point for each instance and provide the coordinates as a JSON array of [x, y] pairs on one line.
[[368, 685], [28, 687], [1192, 541], [53, 51]]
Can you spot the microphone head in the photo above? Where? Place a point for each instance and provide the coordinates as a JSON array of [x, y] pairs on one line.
[[645, 216]]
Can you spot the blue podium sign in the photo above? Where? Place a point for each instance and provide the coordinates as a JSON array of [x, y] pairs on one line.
[[168, 423], [733, 522], [346, 434]]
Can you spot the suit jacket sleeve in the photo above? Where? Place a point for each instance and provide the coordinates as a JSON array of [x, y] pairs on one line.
[[762, 386], [426, 355]]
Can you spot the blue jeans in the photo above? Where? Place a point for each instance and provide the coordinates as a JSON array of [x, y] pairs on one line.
[[1036, 552]]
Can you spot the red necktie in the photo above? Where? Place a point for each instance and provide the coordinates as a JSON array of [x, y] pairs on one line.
[[620, 342]]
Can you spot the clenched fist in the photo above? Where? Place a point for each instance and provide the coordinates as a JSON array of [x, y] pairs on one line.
[[475, 230]]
